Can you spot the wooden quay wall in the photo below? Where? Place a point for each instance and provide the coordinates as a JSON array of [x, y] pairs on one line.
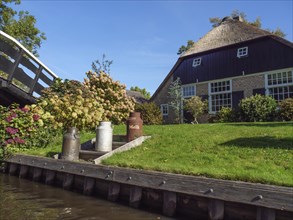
[[183, 196]]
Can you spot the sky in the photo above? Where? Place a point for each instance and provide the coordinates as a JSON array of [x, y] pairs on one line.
[[141, 37]]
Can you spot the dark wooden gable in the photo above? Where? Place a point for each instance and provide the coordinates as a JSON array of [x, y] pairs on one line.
[[264, 54]]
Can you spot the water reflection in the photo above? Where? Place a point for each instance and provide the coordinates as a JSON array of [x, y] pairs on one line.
[[24, 199]]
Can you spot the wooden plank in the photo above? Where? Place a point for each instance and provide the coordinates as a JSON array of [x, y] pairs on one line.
[[67, 181], [265, 214], [13, 168], [38, 88], [28, 64], [5, 64], [276, 197], [37, 174], [23, 171], [169, 203], [216, 209], [113, 191], [38, 71], [21, 76], [12, 72], [135, 196], [88, 185], [50, 177], [46, 79]]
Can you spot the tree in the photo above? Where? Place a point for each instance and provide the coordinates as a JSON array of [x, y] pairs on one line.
[[175, 94], [216, 21], [150, 113], [20, 25], [196, 107], [103, 65], [183, 48], [144, 92]]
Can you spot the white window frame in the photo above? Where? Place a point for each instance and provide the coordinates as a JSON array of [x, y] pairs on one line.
[[211, 93], [165, 109], [188, 86], [196, 62], [242, 52], [280, 81]]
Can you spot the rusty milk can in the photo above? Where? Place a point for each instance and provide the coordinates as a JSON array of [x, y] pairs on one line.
[[134, 126], [71, 144]]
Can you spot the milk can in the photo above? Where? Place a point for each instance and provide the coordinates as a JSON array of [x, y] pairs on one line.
[[104, 136], [71, 144], [134, 126]]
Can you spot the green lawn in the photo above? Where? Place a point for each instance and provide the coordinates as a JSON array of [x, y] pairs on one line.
[[254, 152]]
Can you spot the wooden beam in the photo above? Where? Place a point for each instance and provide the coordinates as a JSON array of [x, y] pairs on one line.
[[169, 203], [23, 171], [50, 177], [37, 174], [265, 214], [37, 74], [88, 185], [135, 196], [13, 168], [216, 209], [67, 181], [15, 64], [113, 191]]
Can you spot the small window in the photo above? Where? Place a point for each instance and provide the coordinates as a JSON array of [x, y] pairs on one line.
[[164, 109], [196, 62], [188, 91], [242, 52]]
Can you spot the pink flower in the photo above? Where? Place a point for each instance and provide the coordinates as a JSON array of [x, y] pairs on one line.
[[9, 119], [9, 141], [19, 140], [24, 109], [11, 130], [36, 117]]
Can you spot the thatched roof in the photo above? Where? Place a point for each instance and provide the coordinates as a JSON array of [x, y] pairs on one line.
[[137, 96], [230, 31]]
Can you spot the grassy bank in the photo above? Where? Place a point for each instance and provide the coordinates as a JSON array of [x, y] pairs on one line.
[[254, 152]]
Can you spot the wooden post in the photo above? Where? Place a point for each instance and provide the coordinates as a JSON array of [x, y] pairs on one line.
[[88, 185], [50, 177], [113, 191], [265, 214], [23, 171], [12, 168], [216, 209], [37, 74], [169, 204], [68, 181], [135, 196], [15, 64], [37, 174]]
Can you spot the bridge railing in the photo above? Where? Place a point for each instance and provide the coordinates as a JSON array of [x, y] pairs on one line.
[[21, 68]]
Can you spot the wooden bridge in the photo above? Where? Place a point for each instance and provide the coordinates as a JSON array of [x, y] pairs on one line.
[[22, 75]]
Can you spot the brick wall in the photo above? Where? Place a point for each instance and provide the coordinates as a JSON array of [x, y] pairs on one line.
[[248, 83]]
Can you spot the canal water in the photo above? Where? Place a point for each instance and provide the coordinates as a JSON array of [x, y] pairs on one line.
[[24, 199]]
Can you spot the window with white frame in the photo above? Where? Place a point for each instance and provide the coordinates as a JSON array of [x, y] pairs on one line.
[[196, 62], [280, 85], [164, 109], [242, 52], [220, 95], [188, 91]]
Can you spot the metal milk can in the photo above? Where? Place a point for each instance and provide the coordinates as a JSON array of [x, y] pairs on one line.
[[134, 126], [71, 144], [104, 137]]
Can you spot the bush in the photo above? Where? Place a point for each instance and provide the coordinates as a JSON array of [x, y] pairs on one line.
[[111, 95], [258, 108], [286, 109], [73, 104], [196, 107], [23, 128], [225, 115], [150, 113]]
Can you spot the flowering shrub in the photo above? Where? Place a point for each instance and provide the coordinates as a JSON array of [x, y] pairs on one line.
[[286, 109], [72, 104], [111, 95], [22, 128]]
